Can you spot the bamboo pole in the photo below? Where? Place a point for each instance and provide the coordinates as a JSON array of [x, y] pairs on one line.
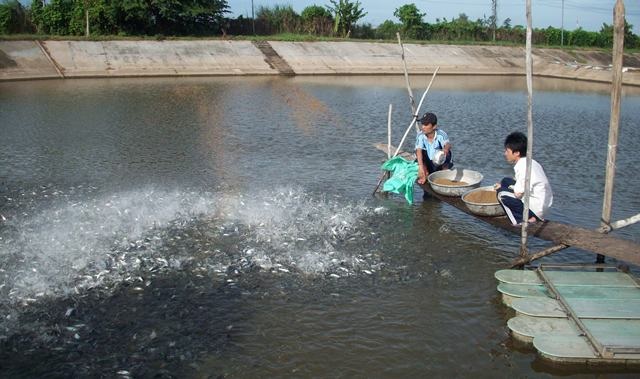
[[385, 173], [412, 102], [389, 132], [413, 120], [527, 182], [414, 110], [415, 115], [543, 253], [622, 223], [614, 120]]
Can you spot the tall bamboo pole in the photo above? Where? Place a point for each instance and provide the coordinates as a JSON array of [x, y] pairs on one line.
[[614, 120], [415, 115], [389, 131], [527, 182], [412, 101]]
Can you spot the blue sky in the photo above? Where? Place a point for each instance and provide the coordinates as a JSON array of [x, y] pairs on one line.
[[588, 14]]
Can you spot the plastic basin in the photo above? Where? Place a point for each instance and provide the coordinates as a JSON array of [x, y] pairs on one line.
[[482, 208], [471, 179]]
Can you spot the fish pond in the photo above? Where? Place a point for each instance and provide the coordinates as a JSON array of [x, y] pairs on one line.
[[224, 227]]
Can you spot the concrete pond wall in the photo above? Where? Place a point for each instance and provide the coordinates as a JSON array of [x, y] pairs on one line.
[[25, 60]]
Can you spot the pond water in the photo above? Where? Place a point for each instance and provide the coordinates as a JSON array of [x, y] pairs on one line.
[[224, 227]]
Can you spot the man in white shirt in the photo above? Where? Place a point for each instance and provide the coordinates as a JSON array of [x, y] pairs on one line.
[[510, 191]]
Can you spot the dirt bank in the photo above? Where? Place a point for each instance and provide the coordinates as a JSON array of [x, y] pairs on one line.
[[77, 59]]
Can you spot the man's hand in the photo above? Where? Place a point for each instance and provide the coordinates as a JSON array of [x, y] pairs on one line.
[[422, 178]]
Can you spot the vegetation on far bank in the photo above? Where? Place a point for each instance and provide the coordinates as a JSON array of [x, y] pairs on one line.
[[289, 37], [338, 21]]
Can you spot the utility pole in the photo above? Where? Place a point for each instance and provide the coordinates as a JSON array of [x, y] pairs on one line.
[[494, 4], [253, 19], [562, 26], [86, 18]]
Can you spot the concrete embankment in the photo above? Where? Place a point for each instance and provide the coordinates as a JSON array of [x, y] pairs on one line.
[[21, 60]]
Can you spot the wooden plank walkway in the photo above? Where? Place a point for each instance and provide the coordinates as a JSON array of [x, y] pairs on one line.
[[556, 232], [559, 233]]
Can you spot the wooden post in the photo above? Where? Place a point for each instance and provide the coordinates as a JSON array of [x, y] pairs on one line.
[[389, 132], [406, 78], [385, 174], [614, 120], [527, 182]]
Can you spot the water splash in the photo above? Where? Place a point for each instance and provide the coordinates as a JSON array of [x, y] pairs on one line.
[[73, 243], [298, 230], [65, 242]]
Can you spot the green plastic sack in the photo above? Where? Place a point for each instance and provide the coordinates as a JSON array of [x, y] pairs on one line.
[[403, 174]]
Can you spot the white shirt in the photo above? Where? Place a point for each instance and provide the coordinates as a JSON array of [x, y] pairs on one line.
[[540, 195]]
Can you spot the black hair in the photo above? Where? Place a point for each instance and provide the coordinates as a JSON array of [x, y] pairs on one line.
[[517, 142], [429, 118]]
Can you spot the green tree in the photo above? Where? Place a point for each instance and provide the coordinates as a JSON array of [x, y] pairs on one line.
[[128, 16], [363, 31], [279, 19], [581, 37], [387, 30], [631, 41], [606, 36], [56, 17], [13, 17], [166, 17], [552, 35], [346, 15], [102, 18], [316, 20], [36, 10], [411, 19]]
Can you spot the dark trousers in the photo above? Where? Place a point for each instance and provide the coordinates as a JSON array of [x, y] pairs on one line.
[[512, 206], [433, 168]]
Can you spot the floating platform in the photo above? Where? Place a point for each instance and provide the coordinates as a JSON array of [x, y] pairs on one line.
[[575, 316], [511, 292]]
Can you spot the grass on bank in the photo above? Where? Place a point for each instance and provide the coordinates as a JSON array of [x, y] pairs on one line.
[[289, 37]]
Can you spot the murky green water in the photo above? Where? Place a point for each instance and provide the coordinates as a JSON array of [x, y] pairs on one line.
[[214, 227]]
